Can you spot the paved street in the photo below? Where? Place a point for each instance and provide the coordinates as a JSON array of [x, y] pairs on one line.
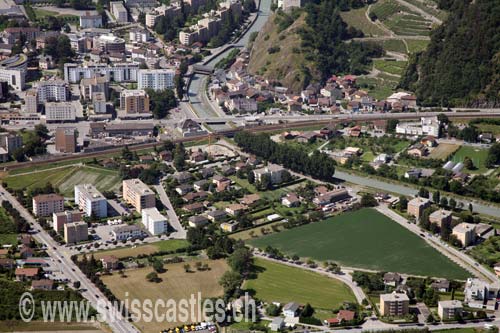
[[180, 232]]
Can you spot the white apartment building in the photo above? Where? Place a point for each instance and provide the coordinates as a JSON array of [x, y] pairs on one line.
[[156, 79], [154, 221], [52, 91], [426, 126], [274, 172], [447, 310], [119, 11], [90, 20], [139, 35], [122, 232], [16, 78], [90, 200], [117, 72], [59, 111]]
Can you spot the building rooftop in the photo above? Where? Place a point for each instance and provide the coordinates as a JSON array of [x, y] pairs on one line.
[[90, 191], [394, 297], [137, 184], [154, 214]]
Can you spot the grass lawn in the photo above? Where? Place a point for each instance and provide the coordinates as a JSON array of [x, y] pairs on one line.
[[391, 67], [488, 251], [491, 128], [357, 18], [65, 178], [365, 239], [6, 239], [281, 283], [442, 151], [377, 87], [477, 155], [176, 284], [40, 326], [130, 251]]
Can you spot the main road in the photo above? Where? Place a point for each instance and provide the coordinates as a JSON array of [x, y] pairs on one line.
[[69, 269], [196, 89]]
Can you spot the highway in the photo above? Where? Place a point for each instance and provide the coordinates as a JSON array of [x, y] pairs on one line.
[[59, 253]]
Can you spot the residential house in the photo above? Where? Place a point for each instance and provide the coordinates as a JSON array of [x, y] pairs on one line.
[[343, 317], [229, 226], [331, 197], [197, 221], [291, 310], [42, 284], [290, 200], [250, 199], [236, 209], [27, 274], [273, 171], [216, 215], [196, 207], [184, 189], [465, 233], [110, 262], [442, 285], [480, 294], [277, 324], [392, 279]]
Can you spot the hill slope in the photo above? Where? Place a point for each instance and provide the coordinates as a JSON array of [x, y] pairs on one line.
[[461, 65], [284, 63]]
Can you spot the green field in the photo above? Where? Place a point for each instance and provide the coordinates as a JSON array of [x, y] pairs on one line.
[[487, 252], [477, 155], [391, 67], [365, 239], [65, 178], [377, 87], [401, 19], [394, 45], [356, 18], [8, 230], [416, 45], [282, 283], [131, 251]]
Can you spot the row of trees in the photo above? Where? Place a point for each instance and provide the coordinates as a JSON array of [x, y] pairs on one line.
[[318, 165]]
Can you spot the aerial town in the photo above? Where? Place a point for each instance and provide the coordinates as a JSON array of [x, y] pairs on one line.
[[326, 165]]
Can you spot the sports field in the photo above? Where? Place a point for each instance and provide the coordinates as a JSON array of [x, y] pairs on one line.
[[477, 155], [65, 178], [281, 283], [176, 285], [364, 239]]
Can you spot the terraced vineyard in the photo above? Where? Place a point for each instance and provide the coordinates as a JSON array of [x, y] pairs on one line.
[[401, 20]]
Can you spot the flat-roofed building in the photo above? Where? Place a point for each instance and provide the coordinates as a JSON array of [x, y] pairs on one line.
[[47, 204], [394, 304], [417, 205], [138, 194], [134, 101], [66, 139], [156, 79], [119, 11], [154, 221], [448, 310], [96, 84], [122, 232], [90, 20], [91, 201], [465, 233], [61, 218], [60, 112], [76, 232], [274, 172], [440, 217]]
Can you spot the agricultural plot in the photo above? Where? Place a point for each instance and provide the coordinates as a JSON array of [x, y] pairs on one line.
[[131, 251], [391, 67], [415, 46], [365, 239], [377, 87], [400, 19], [356, 18], [281, 283], [65, 178], [175, 285], [394, 45], [443, 151]]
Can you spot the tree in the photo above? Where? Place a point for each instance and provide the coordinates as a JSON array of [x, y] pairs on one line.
[[152, 277], [390, 127], [452, 203], [161, 102], [240, 260], [179, 86], [368, 200], [470, 207], [423, 193], [403, 203], [436, 197], [468, 163], [308, 311], [158, 266], [444, 202], [251, 177], [187, 268], [231, 282]]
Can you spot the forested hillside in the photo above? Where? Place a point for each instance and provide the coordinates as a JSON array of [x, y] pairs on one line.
[[461, 65], [310, 44]]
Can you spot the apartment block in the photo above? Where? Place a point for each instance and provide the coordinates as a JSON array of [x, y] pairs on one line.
[[93, 85], [75, 232], [47, 204], [156, 79], [138, 194], [59, 111], [394, 304], [61, 218], [116, 72], [440, 217], [66, 139], [465, 233], [417, 205], [10, 142], [447, 310], [274, 172], [119, 11], [154, 221], [91, 201], [52, 91], [134, 101]]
